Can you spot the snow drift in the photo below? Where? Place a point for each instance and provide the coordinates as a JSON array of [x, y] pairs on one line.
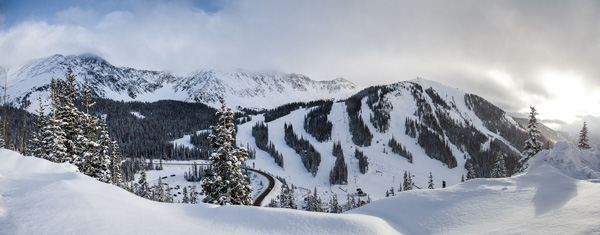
[[575, 162], [40, 197], [552, 197]]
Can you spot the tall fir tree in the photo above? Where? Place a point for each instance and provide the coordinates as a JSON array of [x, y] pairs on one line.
[[430, 182], [115, 164], [53, 137], [143, 189], [35, 144], [408, 185], [470, 171], [499, 170], [226, 184], [335, 205], [69, 117], [532, 145], [584, 142]]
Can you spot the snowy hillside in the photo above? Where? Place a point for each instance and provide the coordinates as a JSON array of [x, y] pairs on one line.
[[542, 201], [386, 168], [40, 197], [242, 88]]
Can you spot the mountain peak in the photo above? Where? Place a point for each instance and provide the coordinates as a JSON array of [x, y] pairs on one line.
[[241, 87]]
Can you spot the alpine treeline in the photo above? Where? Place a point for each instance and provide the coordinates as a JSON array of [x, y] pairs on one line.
[[286, 109], [316, 123], [77, 137], [399, 149], [260, 132], [339, 172], [150, 135], [310, 157]]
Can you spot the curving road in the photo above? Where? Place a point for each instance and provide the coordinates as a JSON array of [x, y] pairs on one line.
[[258, 200]]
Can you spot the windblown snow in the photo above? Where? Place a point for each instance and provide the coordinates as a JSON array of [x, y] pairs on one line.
[[557, 195]]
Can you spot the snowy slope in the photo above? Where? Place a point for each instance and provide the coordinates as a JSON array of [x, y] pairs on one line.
[[40, 197], [241, 88], [386, 170], [542, 201]]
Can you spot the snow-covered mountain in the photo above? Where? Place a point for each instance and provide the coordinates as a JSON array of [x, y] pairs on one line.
[[240, 88], [440, 127]]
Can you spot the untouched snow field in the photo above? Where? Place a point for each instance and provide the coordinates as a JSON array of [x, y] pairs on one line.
[[40, 197], [558, 195]]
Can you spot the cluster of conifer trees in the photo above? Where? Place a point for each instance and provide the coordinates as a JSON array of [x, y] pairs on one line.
[[339, 172], [363, 161], [399, 149], [311, 158], [361, 135], [381, 108], [77, 137], [317, 124], [260, 132]]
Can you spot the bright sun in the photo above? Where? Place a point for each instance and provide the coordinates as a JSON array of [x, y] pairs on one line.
[[567, 97]]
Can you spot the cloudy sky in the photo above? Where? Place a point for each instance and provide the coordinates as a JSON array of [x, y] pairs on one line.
[[513, 53]]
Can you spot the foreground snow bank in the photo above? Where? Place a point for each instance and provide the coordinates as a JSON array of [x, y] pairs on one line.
[[580, 164], [40, 197], [542, 201]]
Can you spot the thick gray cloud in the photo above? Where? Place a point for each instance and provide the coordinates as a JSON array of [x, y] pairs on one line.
[[514, 53]]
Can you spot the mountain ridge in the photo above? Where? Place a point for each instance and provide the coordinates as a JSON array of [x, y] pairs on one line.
[[241, 88]]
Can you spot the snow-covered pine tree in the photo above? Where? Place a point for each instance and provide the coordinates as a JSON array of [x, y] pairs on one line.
[[143, 188], [286, 199], [499, 170], [533, 145], [410, 181], [103, 159], [226, 184], [168, 193], [407, 181], [69, 118], [584, 142], [53, 137], [159, 192], [430, 182], [91, 152], [193, 195], [35, 145], [185, 199], [292, 198], [470, 171], [115, 164], [335, 205]]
